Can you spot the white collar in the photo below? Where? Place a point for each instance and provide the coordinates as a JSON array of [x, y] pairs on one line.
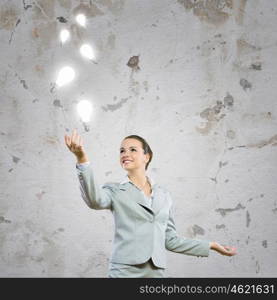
[[127, 179]]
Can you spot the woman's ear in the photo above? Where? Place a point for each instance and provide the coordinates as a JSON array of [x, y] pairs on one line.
[[147, 157]]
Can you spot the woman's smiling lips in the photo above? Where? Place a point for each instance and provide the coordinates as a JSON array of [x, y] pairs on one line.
[[126, 161]]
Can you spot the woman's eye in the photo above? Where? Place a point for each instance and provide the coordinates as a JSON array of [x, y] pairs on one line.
[[134, 149]]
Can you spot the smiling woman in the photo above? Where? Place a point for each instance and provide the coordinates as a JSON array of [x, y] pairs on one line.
[[142, 210]]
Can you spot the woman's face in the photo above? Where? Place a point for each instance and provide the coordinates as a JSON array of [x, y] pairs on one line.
[[132, 155]]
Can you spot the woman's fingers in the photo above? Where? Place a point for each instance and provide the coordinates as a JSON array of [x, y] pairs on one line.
[[230, 250], [75, 143], [74, 136], [67, 140]]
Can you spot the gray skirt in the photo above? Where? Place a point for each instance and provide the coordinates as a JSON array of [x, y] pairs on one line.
[[145, 270]]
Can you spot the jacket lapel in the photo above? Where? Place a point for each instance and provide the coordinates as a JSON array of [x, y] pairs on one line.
[[139, 198]]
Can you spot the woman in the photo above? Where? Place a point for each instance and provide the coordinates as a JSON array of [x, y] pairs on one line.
[[142, 209]]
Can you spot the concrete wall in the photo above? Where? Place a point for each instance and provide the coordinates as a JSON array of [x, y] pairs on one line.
[[196, 79]]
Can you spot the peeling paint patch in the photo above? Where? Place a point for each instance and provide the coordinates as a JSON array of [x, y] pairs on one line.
[[247, 218], [43, 9], [62, 19], [240, 11], [113, 107], [133, 63], [271, 141], [198, 230], [23, 82], [220, 226], [256, 66], [264, 243], [243, 47], [8, 17], [57, 103], [221, 164], [3, 220], [210, 11], [224, 211], [245, 84], [211, 114], [15, 159], [228, 101], [26, 7]]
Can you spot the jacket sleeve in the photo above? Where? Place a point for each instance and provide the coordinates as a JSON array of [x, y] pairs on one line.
[[95, 196], [176, 243]]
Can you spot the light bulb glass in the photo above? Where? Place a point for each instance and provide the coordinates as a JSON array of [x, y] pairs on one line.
[[81, 19], [84, 109], [87, 51], [66, 75], [64, 35]]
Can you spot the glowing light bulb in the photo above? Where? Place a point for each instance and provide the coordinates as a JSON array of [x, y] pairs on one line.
[[81, 19], [84, 109], [65, 75], [64, 35], [86, 51]]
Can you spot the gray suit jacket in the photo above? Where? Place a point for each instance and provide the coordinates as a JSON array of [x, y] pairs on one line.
[[141, 232]]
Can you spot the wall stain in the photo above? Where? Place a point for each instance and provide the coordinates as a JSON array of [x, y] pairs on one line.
[[247, 218], [245, 84], [256, 66], [26, 7], [45, 35], [133, 63], [113, 107], [62, 19], [228, 101], [8, 17], [258, 268], [15, 159], [197, 230], [239, 16], [57, 103], [211, 11], [243, 47], [212, 114], [271, 141], [264, 243], [220, 226], [3, 220], [43, 10], [224, 211]]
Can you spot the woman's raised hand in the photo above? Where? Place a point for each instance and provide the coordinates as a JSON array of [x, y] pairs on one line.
[[223, 250], [75, 144]]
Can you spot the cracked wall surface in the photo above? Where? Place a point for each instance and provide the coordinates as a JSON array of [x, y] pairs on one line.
[[196, 79]]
